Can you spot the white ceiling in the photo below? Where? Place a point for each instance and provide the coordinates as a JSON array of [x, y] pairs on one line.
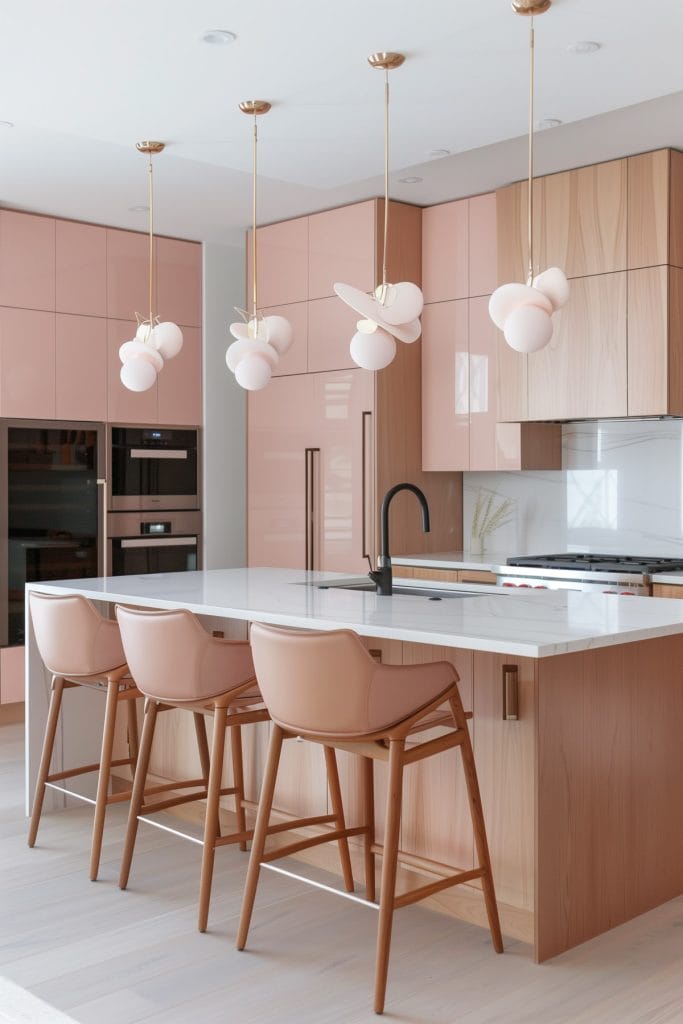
[[83, 80]]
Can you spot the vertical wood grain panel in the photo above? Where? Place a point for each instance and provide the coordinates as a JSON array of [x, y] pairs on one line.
[[676, 208], [648, 209], [675, 407], [596, 221], [648, 341]]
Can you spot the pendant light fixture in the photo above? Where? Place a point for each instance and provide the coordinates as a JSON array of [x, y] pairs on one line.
[[393, 311], [523, 312], [143, 357], [261, 340]]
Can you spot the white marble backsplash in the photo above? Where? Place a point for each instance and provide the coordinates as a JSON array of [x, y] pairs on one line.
[[620, 491]]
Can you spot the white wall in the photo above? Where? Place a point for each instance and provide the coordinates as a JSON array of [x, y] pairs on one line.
[[224, 437], [620, 491]]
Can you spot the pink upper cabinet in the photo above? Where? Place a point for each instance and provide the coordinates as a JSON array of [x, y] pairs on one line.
[[341, 248], [27, 363], [179, 281], [124, 406], [282, 270], [295, 359], [445, 246], [27, 261], [482, 385], [331, 325], [483, 246], [179, 384], [81, 367], [445, 386], [81, 268], [127, 275]]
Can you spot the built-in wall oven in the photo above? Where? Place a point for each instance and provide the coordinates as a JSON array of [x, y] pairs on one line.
[[153, 468], [142, 542]]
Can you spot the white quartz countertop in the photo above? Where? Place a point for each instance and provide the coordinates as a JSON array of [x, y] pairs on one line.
[[536, 624], [451, 560]]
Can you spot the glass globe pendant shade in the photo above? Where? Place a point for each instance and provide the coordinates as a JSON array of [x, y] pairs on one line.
[[509, 297], [372, 350], [138, 375], [554, 285], [167, 338], [400, 303], [253, 372], [528, 329], [278, 333], [134, 350], [244, 347]]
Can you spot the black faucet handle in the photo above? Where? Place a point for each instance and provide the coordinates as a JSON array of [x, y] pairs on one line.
[[370, 565]]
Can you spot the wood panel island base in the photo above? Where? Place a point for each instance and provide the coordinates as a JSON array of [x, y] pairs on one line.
[[581, 793]]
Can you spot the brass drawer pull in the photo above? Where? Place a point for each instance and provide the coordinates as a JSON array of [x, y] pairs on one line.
[[510, 693]]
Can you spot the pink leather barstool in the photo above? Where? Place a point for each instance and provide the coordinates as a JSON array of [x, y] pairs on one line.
[[82, 648], [325, 687]]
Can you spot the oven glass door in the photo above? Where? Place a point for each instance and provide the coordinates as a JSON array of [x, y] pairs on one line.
[[134, 556], [149, 471]]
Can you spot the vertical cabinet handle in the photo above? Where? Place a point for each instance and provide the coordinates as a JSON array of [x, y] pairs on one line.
[[510, 693], [365, 470], [310, 509], [102, 483]]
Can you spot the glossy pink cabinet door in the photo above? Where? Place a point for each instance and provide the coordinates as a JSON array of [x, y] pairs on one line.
[[179, 281], [331, 326], [483, 244], [127, 274], [27, 363], [27, 260], [341, 248], [179, 385], [445, 248], [295, 359], [81, 268], [11, 675], [282, 272], [445, 386], [124, 406], [482, 385], [80, 367]]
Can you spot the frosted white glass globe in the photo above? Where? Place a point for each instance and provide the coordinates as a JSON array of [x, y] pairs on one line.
[[253, 372], [403, 303], [372, 351], [247, 346], [510, 296], [138, 375], [528, 329], [410, 332], [133, 350], [554, 284], [279, 332], [167, 338]]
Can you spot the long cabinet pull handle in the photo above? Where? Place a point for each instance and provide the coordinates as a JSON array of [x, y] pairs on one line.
[[510, 693], [366, 421], [310, 510], [102, 483]]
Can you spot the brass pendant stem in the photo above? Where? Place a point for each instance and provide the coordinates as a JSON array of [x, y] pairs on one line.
[[150, 200], [530, 200], [254, 145], [386, 181]]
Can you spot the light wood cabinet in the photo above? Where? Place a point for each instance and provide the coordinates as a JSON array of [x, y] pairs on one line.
[[668, 590], [27, 363]]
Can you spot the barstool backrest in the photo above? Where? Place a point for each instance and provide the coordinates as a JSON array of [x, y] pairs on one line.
[[325, 683], [172, 657], [72, 637]]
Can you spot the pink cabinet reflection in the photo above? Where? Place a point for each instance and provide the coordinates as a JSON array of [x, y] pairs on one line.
[[310, 471]]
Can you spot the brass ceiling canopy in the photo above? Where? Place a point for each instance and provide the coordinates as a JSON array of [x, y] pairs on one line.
[[531, 7], [385, 61], [150, 147], [255, 107]]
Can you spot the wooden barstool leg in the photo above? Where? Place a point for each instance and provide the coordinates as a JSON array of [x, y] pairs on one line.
[[238, 778], [338, 811], [368, 786], [259, 841], [389, 865], [137, 796], [46, 756], [133, 737], [102, 797], [211, 816], [478, 825], [203, 750]]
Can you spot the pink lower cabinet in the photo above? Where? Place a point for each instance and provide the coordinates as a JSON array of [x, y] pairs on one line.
[[27, 363], [309, 466], [80, 367], [11, 675]]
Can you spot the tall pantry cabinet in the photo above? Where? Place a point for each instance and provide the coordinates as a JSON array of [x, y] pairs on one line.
[[326, 439]]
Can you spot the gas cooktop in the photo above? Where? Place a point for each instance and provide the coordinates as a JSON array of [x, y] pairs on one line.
[[600, 563]]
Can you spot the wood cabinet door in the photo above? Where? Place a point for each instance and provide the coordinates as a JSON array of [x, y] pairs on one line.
[[282, 264], [27, 363], [179, 281], [445, 249], [648, 209], [581, 374], [505, 755], [179, 385], [124, 406], [81, 268], [331, 326], [127, 275], [80, 367], [648, 341], [445, 386], [341, 247], [27, 260], [512, 231]]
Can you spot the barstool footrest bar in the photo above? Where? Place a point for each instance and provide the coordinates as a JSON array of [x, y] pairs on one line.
[[415, 895], [320, 885], [304, 844]]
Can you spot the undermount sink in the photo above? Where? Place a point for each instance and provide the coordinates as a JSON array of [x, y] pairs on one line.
[[399, 589]]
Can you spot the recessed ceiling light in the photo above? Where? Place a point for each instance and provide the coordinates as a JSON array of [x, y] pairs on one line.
[[410, 180], [6, 124], [548, 122], [439, 152], [578, 49], [218, 37], [138, 209]]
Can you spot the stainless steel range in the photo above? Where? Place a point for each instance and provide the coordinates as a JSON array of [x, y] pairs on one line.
[[611, 574]]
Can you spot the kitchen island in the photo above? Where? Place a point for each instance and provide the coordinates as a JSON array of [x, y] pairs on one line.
[[581, 791]]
